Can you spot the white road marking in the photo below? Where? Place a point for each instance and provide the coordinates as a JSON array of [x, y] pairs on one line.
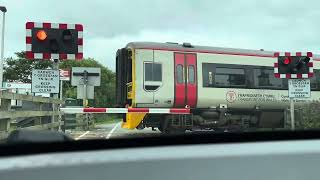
[[113, 129], [82, 135]]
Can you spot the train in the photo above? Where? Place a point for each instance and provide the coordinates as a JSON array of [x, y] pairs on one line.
[[225, 88]]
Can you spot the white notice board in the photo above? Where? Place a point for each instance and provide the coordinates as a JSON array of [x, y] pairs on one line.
[[45, 81], [299, 88]]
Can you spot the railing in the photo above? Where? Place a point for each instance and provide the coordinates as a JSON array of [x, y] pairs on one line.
[[44, 113]]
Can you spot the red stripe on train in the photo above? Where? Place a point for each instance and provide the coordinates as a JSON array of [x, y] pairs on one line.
[[211, 52]]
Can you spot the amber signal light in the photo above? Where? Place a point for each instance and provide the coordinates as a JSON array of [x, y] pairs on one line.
[[41, 35]]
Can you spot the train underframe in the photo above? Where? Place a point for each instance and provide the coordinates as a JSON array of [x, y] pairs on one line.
[[216, 119]]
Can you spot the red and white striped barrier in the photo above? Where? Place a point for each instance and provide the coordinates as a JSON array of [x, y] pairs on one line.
[[126, 110]]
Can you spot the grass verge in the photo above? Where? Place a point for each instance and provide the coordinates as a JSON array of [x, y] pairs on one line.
[[106, 118]]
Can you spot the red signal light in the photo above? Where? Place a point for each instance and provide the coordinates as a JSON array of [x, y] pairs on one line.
[[41, 35], [286, 61]]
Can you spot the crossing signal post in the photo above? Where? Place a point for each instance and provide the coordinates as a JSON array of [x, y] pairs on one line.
[[53, 41], [298, 68]]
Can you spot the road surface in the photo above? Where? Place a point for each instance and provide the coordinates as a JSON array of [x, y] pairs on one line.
[[110, 131]]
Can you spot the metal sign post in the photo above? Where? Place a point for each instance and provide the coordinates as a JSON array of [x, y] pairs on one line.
[[52, 41], [292, 114], [85, 78], [55, 66], [61, 84], [85, 81], [298, 68], [298, 88]]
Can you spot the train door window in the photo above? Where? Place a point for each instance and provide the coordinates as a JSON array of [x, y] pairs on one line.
[[179, 73], [264, 77], [152, 76], [191, 75], [229, 77]]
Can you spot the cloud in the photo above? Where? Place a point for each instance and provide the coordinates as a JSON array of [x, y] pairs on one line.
[[109, 25]]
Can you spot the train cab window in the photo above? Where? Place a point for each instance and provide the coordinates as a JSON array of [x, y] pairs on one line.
[[152, 76], [229, 77], [179, 73], [264, 77], [191, 75]]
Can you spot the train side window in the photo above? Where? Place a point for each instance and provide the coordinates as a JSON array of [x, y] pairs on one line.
[[230, 77], [152, 76], [179, 73], [264, 77], [191, 75], [207, 74]]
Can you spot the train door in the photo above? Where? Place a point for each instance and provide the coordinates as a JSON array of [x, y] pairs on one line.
[[185, 80], [164, 94], [147, 78]]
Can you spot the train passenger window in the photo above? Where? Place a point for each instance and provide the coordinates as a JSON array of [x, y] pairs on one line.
[[264, 77], [230, 77], [152, 76], [207, 74], [179, 73], [191, 75]]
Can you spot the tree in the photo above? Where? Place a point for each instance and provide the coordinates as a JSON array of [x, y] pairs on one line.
[[104, 95], [308, 116], [20, 69]]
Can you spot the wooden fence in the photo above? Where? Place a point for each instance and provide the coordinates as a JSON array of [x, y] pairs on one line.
[[9, 116]]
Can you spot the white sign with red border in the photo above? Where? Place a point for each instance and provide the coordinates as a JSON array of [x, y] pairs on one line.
[[64, 75]]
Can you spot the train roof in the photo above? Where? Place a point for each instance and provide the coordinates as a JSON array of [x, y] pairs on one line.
[[187, 47]]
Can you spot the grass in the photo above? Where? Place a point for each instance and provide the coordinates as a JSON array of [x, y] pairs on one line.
[[106, 119]]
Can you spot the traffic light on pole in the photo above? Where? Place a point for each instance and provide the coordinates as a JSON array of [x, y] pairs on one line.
[[54, 41], [297, 66]]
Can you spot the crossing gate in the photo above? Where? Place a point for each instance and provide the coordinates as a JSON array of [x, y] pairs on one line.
[[126, 110]]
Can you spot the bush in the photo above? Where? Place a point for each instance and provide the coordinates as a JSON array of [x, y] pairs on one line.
[[106, 118], [309, 116]]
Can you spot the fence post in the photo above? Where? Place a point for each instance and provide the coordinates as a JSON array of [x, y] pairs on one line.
[[38, 121], [59, 117]]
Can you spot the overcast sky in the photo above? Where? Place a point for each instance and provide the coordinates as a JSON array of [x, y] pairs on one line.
[[282, 25]]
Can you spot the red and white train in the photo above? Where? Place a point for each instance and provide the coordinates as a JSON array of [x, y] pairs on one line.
[[224, 87]]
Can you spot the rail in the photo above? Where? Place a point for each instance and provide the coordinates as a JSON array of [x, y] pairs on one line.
[[42, 113]]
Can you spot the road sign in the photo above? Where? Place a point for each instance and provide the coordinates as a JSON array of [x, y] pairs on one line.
[[54, 41], [92, 76], [16, 85], [81, 92], [64, 75], [299, 88], [45, 81]]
